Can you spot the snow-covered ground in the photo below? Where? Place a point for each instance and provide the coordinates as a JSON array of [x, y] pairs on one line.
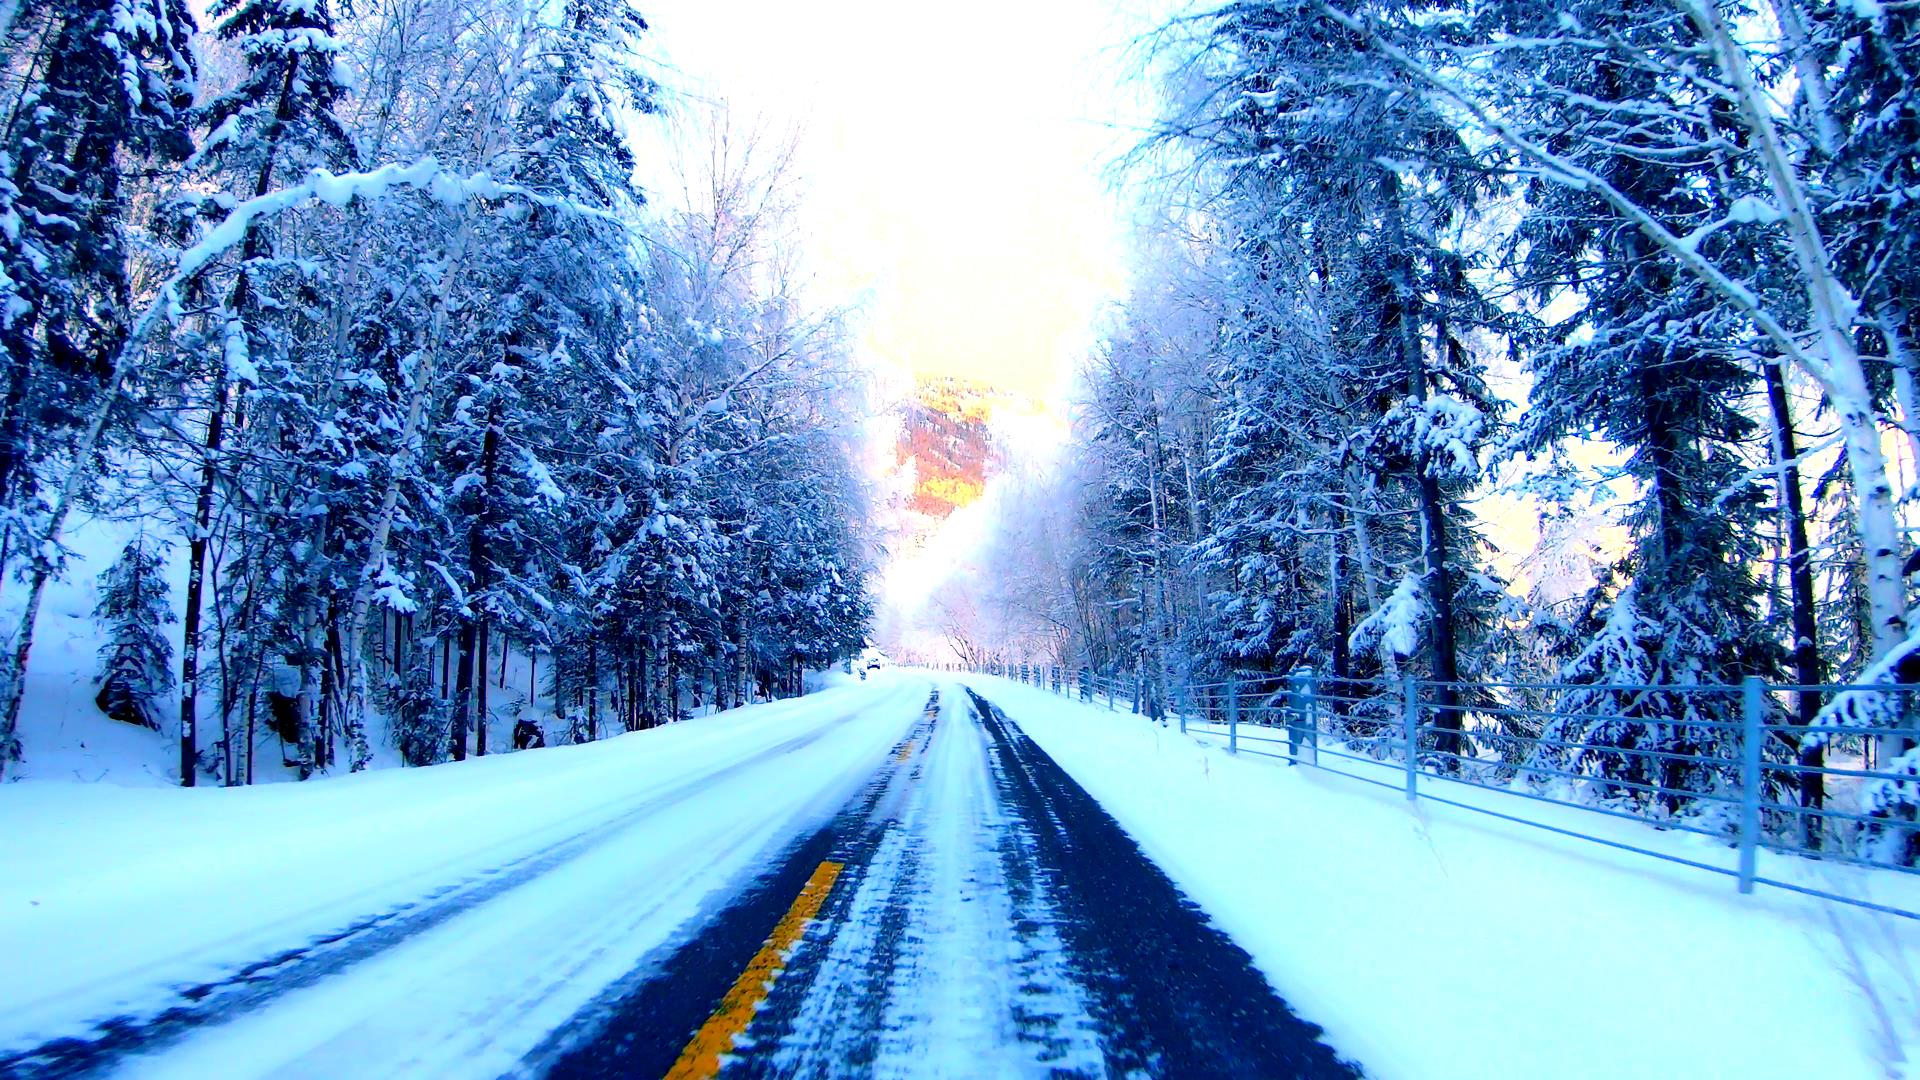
[[1434, 942], [115, 898], [1427, 940]]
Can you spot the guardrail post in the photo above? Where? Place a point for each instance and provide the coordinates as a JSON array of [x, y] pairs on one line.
[[1233, 716], [1752, 733], [1293, 719], [1312, 686], [1411, 720]]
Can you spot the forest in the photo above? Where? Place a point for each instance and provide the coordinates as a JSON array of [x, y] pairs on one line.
[[1505, 344], [357, 309]]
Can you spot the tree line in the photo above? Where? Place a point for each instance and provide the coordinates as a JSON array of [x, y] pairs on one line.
[[1648, 264], [361, 299]]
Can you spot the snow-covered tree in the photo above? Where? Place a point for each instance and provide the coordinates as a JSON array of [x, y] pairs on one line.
[[107, 83], [136, 660]]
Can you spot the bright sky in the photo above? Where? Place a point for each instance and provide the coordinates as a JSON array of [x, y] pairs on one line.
[[951, 159]]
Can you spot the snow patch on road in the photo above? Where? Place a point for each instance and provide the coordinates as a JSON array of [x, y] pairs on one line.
[[969, 975]]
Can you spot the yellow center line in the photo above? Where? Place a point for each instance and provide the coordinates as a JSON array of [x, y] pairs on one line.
[[906, 751], [701, 1058]]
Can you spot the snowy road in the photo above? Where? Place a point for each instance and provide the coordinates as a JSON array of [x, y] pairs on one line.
[[885, 880]]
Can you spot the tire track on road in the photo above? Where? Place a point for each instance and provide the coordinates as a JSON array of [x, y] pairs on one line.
[[1174, 995], [642, 1025]]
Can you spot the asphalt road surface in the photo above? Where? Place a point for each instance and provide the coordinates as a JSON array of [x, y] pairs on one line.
[[907, 887], [973, 913]]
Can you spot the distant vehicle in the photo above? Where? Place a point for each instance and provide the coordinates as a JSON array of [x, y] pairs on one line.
[[873, 660]]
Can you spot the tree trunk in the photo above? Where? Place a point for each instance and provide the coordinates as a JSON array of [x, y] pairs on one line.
[[305, 757], [1433, 518], [1342, 623], [196, 571], [646, 688], [463, 688], [1808, 668], [480, 700], [1154, 658], [670, 707], [480, 578], [593, 691]]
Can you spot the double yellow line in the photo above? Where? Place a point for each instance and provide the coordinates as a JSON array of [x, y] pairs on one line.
[[701, 1058]]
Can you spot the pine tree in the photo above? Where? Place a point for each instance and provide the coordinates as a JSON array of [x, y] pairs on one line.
[[561, 282], [1651, 362], [1360, 414], [111, 80], [279, 119], [136, 662]]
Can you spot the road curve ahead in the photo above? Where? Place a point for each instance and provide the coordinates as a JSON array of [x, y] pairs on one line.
[[972, 913]]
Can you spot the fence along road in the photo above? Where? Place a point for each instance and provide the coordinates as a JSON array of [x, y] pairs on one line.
[[1825, 792]]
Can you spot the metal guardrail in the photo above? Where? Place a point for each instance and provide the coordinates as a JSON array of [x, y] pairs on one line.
[[1746, 776]]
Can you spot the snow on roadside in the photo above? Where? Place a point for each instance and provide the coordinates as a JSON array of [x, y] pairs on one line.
[[1435, 942], [113, 894]]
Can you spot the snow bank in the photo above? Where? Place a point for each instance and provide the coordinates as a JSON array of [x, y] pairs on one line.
[[1433, 942], [113, 895]]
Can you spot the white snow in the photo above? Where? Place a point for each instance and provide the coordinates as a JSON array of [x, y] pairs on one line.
[[1434, 942], [1396, 627], [115, 895]]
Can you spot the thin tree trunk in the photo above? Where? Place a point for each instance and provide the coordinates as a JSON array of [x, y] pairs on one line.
[[593, 691], [646, 687], [253, 731], [1154, 659], [463, 690], [1342, 623], [1433, 518], [196, 572], [1809, 670], [671, 709], [304, 753], [480, 700], [472, 621]]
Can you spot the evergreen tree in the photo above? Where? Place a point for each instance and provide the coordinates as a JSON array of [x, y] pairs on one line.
[[279, 120], [1360, 414], [109, 82], [136, 662], [1651, 362], [561, 282]]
